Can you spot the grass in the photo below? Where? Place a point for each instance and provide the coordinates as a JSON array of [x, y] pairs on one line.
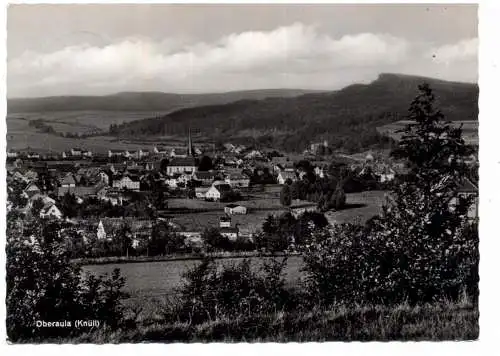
[[150, 280], [363, 206], [433, 322]]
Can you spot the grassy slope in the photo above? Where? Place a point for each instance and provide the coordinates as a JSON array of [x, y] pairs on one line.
[[362, 323]]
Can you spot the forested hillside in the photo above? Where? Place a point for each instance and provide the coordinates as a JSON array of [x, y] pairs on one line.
[[347, 118]]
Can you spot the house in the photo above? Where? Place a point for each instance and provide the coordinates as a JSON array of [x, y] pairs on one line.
[[76, 152], [238, 180], [50, 210], [32, 189], [32, 155], [68, 181], [181, 165], [206, 178], [159, 150], [470, 190], [284, 176], [178, 153], [127, 182], [80, 191], [387, 175], [31, 175], [230, 233], [234, 209], [45, 199], [11, 154], [224, 221], [253, 154], [201, 192], [217, 192], [118, 153], [87, 153], [319, 172]]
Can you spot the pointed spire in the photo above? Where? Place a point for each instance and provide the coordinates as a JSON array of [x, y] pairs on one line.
[[190, 144]]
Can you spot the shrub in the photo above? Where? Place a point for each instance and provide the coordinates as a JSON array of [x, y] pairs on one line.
[[211, 292]]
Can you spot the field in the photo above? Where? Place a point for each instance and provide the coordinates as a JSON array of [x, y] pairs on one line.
[[259, 205], [22, 136], [156, 279], [470, 130], [360, 207]]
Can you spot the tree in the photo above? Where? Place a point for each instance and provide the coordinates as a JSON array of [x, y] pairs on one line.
[[68, 205], [43, 284], [286, 196], [214, 240], [420, 248], [205, 164], [37, 206]]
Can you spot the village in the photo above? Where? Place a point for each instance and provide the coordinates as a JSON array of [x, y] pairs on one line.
[[231, 190]]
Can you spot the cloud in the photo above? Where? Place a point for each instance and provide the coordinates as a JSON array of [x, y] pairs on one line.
[[291, 56]]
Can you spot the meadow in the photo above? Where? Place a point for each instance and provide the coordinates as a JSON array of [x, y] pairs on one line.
[[22, 136], [156, 279]]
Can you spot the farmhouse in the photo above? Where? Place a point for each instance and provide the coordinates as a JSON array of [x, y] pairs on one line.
[[68, 181], [238, 180], [201, 192], [284, 176], [217, 192], [118, 153], [181, 165], [127, 182], [50, 210], [230, 232], [224, 221], [11, 154], [234, 209]]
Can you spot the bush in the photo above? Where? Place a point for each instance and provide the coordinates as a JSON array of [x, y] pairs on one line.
[[211, 292]]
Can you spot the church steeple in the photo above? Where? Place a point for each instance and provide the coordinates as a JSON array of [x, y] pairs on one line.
[[190, 145]]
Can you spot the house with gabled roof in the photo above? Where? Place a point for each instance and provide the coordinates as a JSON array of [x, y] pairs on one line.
[[217, 191], [50, 210]]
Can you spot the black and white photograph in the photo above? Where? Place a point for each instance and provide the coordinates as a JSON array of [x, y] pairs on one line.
[[241, 173]]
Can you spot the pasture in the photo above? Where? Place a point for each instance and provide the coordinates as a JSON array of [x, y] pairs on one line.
[[260, 204], [360, 207], [21, 136], [156, 279]]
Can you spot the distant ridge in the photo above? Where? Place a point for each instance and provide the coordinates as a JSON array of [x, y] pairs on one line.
[[142, 101], [351, 114]]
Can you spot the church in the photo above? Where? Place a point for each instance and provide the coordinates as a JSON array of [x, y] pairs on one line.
[[182, 162]]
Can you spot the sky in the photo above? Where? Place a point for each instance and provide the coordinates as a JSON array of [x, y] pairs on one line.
[[103, 49]]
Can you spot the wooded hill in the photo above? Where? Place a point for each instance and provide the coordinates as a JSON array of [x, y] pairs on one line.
[[347, 118]]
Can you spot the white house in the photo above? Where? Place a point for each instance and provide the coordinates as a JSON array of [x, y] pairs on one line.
[[216, 192], [50, 210], [201, 192], [76, 152], [234, 209], [224, 221], [159, 150], [68, 181], [229, 232], [126, 183], [11, 154], [283, 176]]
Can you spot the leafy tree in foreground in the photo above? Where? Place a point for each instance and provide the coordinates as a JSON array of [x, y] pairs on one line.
[[421, 247], [42, 285]]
